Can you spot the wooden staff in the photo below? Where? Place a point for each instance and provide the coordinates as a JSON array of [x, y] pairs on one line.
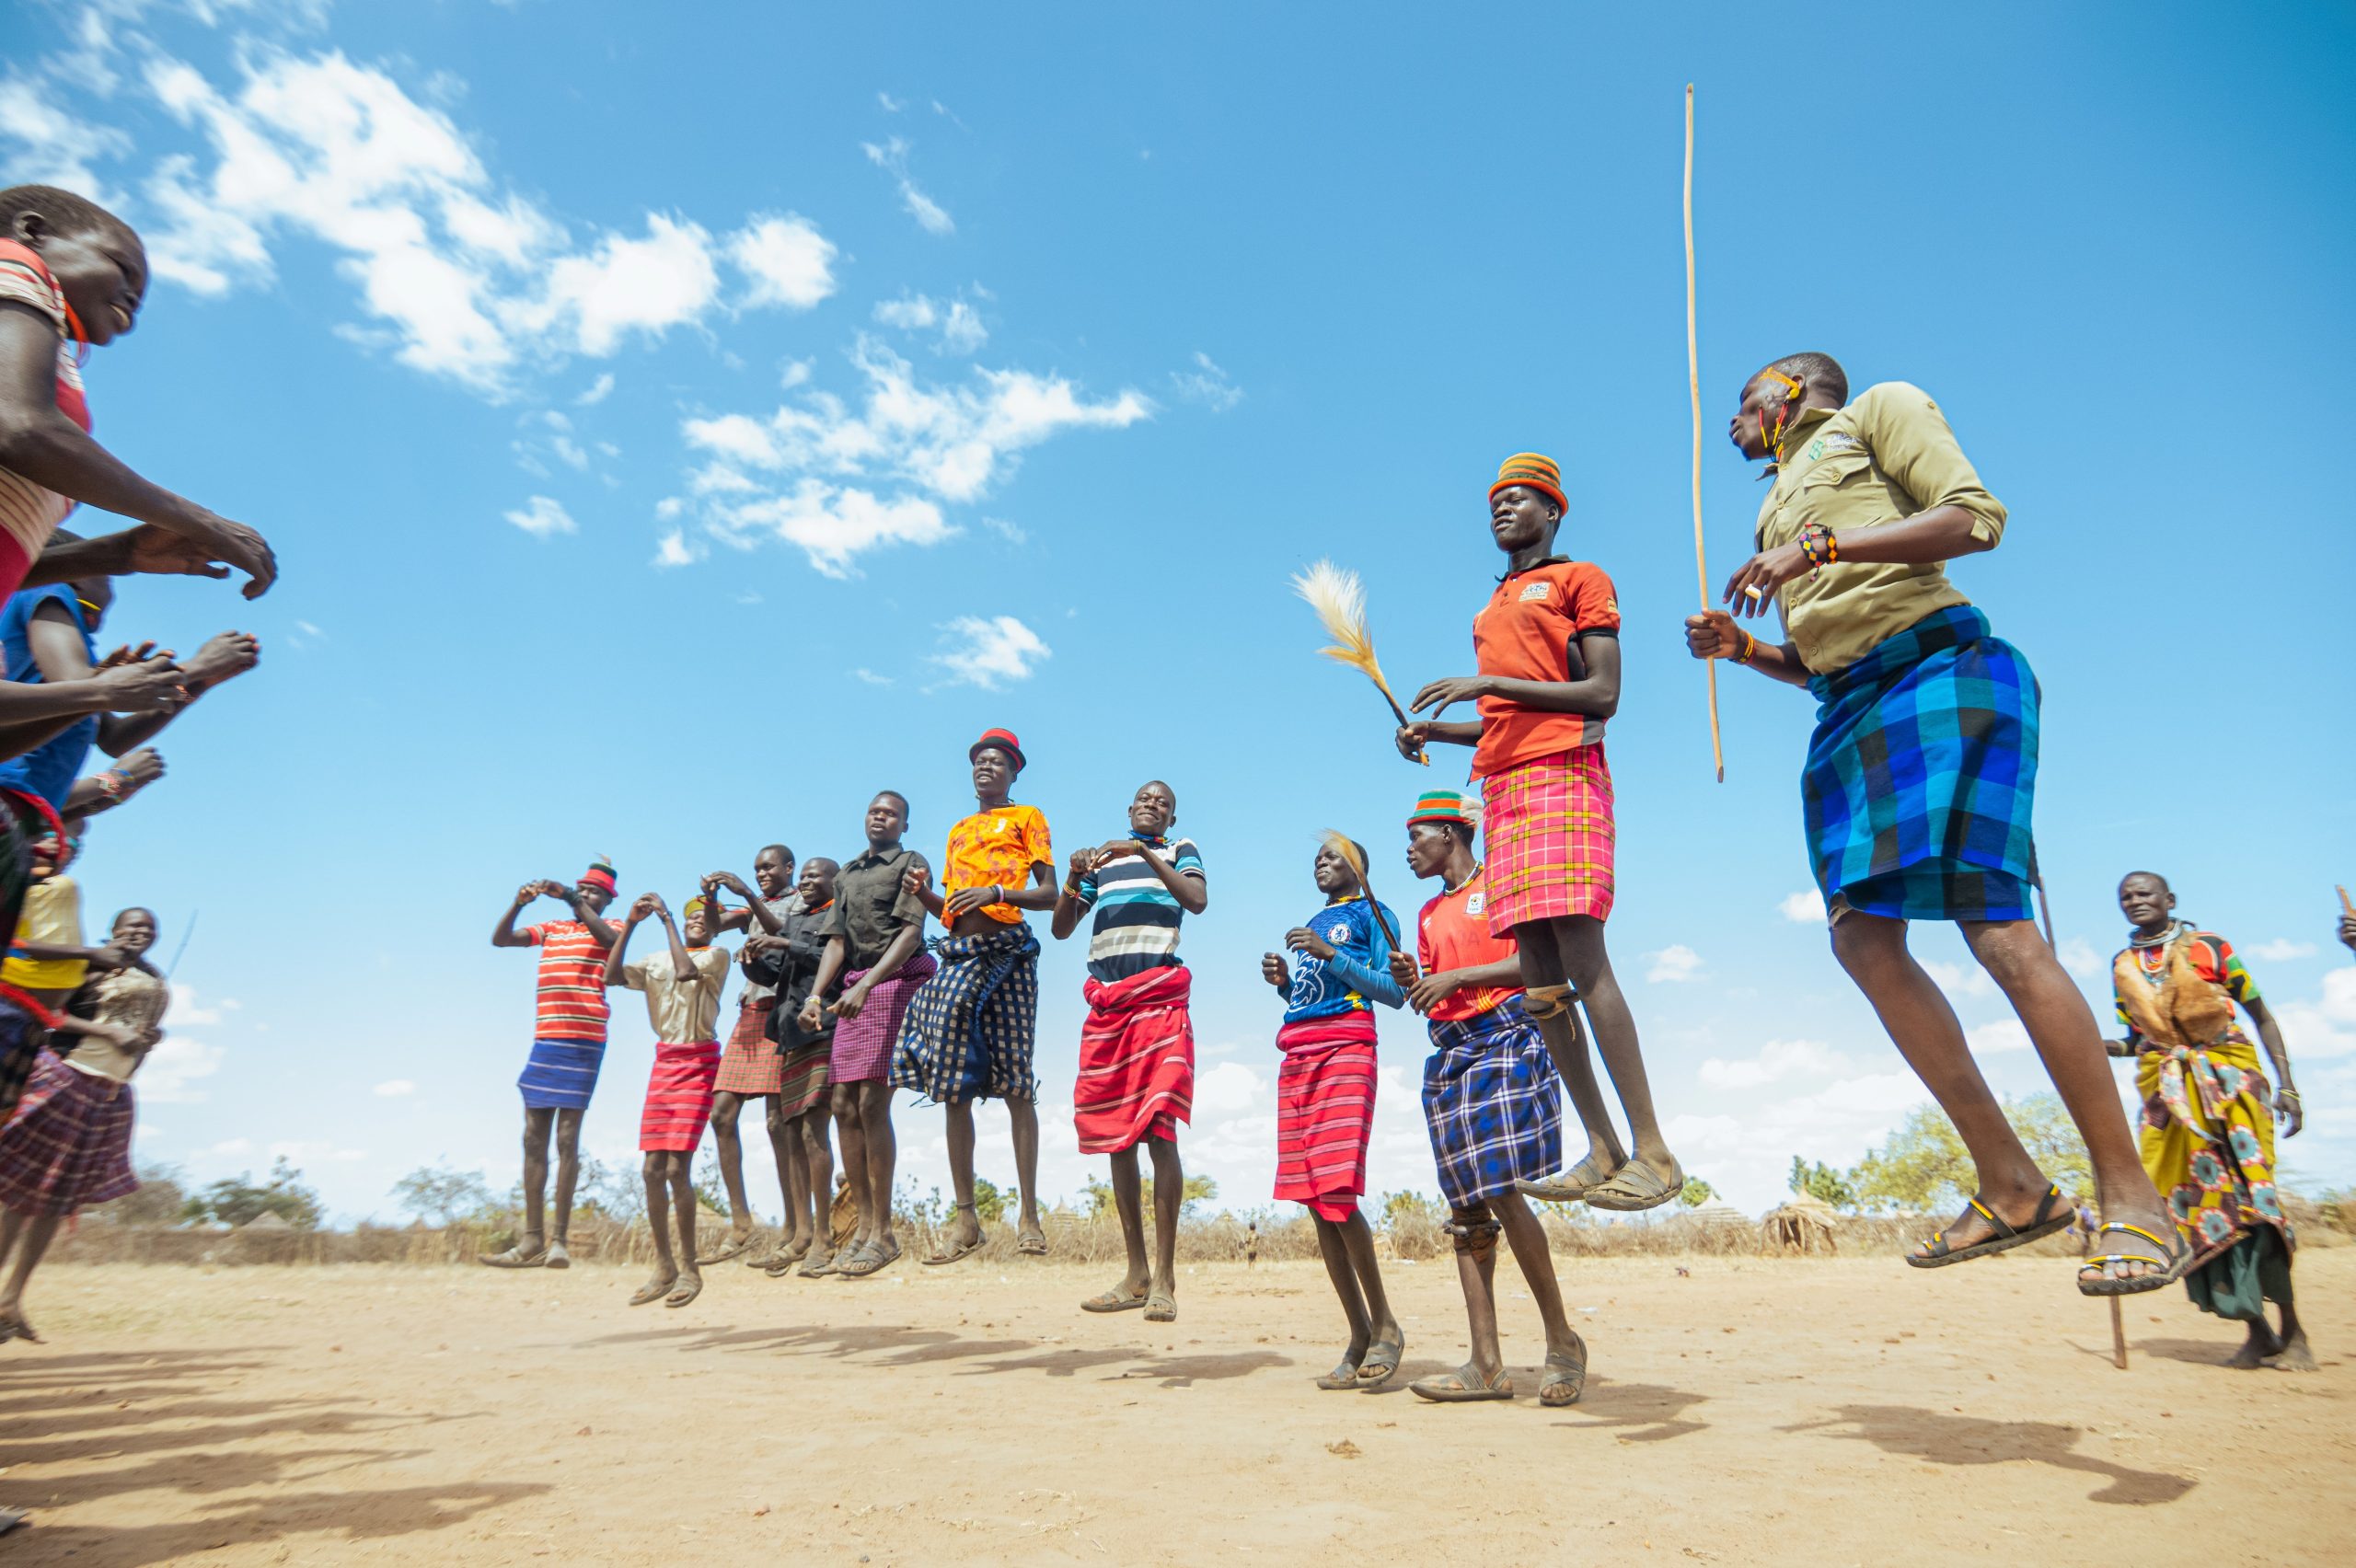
[[1694, 386], [2346, 907], [2117, 1336]]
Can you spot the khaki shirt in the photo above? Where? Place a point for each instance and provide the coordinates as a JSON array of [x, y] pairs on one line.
[[1887, 456], [682, 1011]]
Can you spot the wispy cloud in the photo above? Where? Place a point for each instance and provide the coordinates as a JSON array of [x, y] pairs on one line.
[[892, 157], [788, 261], [1206, 384], [1676, 964], [989, 652], [599, 390], [1805, 907], [395, 1089], [960, 324], [2282, 950], [1777, 1060], [673, 549], [871, 677], [543, 517]]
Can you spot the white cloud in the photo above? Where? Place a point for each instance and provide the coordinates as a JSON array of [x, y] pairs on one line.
[[1805, 907], [633, 285], [960, 324], [542, 516], [871, 677], [53, 145], [599, 390], [989, 652], [673, 549], [2079, 957], [1776, 1059], [1676, 964], [184, 1012], [892, 158], [910, 313], [393, 1089], [2327, 1026], [1013, 533], [1206, 384], [1997, 1038], [830, 526], [1968, 978], [2282, 950], [1228, 1089], [889, 104], [789, 262]]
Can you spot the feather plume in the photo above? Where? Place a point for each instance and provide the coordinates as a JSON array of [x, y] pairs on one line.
[[1339, 599]]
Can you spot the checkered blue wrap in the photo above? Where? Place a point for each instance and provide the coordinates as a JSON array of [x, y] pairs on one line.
[[1492, 1103], [1922, 775], [971, 1029]]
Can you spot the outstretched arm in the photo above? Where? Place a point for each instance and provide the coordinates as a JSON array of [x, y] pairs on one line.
[[38, 442], [1595, 692], [504, 934], [616, 953]]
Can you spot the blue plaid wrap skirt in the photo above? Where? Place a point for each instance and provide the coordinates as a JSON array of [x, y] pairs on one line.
[[1493, 1104], [971, 1029]]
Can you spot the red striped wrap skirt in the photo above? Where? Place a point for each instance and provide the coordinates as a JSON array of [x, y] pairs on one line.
[[1137, 1060], [678, 1098], [1548, 828], [1325, 1111]]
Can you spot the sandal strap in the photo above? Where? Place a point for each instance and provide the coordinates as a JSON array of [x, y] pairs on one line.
[[1995, 1221], [2167, 1247]]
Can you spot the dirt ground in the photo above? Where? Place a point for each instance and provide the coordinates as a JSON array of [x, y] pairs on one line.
[[1749, 1412]]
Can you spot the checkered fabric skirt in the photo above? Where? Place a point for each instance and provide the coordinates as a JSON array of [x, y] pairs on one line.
[[972, 1028], [1550, 839], [69, 1143], [678, 1098], [863, 1044], [1921, 776], [803, 1076], [750, 1066], [1493, 1104], [1325, 1110]]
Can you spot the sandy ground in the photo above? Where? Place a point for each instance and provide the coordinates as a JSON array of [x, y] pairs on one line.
[[1760, 1411]]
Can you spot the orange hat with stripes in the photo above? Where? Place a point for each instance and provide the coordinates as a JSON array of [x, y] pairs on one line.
[[1535, 470]]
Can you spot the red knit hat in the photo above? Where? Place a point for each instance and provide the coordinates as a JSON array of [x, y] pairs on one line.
[[1003, 739]]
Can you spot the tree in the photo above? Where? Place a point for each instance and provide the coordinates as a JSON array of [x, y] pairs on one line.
[[1924, 1165], [444, 1196], [237, 1201], [1697, 1192], [160, 1200], [1820, 1180], [616, 1191], [990, 1203], [1198, 1190]]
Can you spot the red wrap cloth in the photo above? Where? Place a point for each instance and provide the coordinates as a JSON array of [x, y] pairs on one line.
[[750, 1066], [1325, 1111], [1137, 1060], [678, 1098]]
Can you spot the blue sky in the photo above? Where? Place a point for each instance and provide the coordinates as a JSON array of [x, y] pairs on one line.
[[672, 433]]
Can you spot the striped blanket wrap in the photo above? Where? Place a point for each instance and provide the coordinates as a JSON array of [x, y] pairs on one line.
[[1492, 1102], [1921, 776], [69, 1144], [1137, 1060], [863, 1044], [1325, 1110], [560, 1075], [972, 1028], [678, 1098], [749, 1065]]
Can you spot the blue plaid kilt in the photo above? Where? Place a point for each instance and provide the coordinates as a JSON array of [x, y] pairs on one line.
[[1493, 1104], [970, 1030], [1922, 775]]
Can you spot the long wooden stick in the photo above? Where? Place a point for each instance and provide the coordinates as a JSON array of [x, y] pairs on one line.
[[1693, 386], [2117, 1336]]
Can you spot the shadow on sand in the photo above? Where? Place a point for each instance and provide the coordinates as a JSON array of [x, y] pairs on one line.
[[91, 1411], [1968, 1440], [902, 1346]]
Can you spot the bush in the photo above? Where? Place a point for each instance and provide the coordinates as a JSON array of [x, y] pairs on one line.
[[237, 1201], [160, 1200], [1697, 1192]]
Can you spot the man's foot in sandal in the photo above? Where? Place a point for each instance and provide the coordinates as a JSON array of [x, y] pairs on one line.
[[1346, 1372], [775, 1262], [870, 1258], [15, 1325], [733, 1246], [1574, 1183], [1382, 1359], [1462, 1385], [1161, 1306], [1032, 1241], [654, 1289], [1565, 1376], [690, 1285], [1636, 1186], [1125, 1297], [825, 1260], [2138, 1261], [528, 1253], [558, 1257], [1979, 1232]]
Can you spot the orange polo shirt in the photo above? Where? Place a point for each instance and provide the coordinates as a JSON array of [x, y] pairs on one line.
[[1453, 933], [1525, 632]]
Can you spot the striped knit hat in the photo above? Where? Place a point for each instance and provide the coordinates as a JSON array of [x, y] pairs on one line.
[[601, 874], [1538, 472], [1445, 805], [1004, 740]]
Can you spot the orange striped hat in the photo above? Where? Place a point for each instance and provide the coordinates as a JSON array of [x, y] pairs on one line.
[[1535, 470]]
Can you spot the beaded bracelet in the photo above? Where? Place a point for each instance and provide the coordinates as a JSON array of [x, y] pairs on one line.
[[1749, 648]]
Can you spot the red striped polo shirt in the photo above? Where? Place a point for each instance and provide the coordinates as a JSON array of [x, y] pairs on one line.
[[572, 981]]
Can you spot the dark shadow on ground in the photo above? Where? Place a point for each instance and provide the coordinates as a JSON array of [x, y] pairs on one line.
[[68, 1420], [896, 1344], [1968, 1440], [1648, 1412], [2199, 1352]]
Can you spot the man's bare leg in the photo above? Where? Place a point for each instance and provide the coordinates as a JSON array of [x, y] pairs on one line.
[[568, 1177], [655, 1170], [966, 1229], [853, 1138], [2062, 1028], [1390, 1342], [882, 1160], [816, 1152], [1565, 1352], [31, 1234], [1343, 1274], [781, 1156], [725, 1109], [1168, 1198], [1542, 965], [689, 1284], [2291, 1351], [1578, 938], [793, 1178], [538, 1121], [1022, 1117], [1129, 1207]]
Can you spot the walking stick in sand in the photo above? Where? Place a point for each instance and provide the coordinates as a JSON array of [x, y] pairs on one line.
[[1694, 386], [1339, 599], [2117, 1336]]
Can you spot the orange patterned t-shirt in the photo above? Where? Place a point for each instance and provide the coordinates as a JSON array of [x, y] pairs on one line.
[[1000, 846]]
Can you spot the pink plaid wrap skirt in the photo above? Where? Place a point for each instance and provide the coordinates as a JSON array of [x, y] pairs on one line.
[[1549, 836]]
